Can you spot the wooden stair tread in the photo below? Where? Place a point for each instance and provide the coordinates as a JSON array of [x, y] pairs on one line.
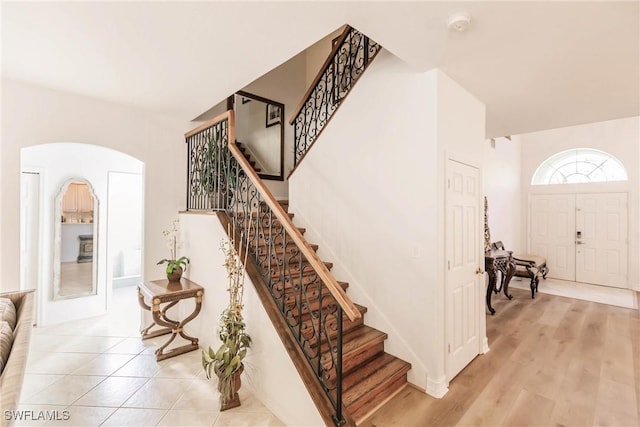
[[311, 291], [252, 232], [365, 388], [309, 305], [295, 270], [360, 411], [356, 383], [283, 203], [362, 309], [280, 249], [266, 215], [356, 340], [347, 324]]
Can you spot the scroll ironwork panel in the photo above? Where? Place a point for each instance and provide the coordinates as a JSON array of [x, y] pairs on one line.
[[349, 60]]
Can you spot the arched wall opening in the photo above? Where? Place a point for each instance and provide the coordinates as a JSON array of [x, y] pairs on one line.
[[117, 182]]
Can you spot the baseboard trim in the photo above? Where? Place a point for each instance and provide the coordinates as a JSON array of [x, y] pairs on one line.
[[437, 387], [485, 345]]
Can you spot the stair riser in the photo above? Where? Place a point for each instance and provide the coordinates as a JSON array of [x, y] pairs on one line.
[[311, 305], [360, 410], [347, 326], [309, 284], [265, 232], [294, 271], [276, 245], [354, 360], [265, 235], [278, 262]]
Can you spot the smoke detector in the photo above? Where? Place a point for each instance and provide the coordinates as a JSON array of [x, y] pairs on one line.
[[459, 22]]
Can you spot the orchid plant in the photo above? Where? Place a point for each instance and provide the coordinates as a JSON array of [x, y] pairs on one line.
[[171, 235]]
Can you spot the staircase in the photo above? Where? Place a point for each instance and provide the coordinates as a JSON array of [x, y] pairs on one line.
[[370, 376], [247, 155], [340, 360]]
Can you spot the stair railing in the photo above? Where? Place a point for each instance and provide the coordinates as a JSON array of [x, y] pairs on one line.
[[207, 158], [351, 54], [309, 299]]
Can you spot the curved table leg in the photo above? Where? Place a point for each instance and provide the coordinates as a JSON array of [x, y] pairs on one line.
[[492, 284], [510, 271], [176, 328], [196, 311]]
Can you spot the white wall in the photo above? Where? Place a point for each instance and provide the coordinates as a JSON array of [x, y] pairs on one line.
[[502, 186], [371, 194], [34, 115], [461, 130], [618, 137], [317, 54], [269, 373]]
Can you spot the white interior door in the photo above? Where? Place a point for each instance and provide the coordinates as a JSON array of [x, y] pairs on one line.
[[30, 230], [602, 239], [552, 233], [463, 249]]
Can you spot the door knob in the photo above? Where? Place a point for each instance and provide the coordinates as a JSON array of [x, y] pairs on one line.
[[479, 271], [579, 242]]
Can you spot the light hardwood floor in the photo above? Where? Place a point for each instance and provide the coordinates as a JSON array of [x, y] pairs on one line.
[[76, 278], [554, 361]]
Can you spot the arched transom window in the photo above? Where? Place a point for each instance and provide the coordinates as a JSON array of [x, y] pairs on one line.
[[579, 166]]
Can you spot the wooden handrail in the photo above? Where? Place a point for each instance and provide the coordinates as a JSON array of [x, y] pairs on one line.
[[326, 64], [208, 123], [348, 307]]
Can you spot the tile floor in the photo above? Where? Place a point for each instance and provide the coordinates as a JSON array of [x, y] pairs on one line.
[[103, 374], [625, 298]]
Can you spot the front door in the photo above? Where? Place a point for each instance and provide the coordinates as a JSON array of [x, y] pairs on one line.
[[552, 232], [463, 250], [583, 236], [601, 239]]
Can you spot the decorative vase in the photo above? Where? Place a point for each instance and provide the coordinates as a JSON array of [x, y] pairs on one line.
[[175, 275], [229, 394]]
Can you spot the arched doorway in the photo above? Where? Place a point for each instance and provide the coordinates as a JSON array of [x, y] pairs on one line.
[[110, 235]]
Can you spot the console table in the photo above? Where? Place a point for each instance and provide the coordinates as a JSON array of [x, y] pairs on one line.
[[160, 292], [498, 261]]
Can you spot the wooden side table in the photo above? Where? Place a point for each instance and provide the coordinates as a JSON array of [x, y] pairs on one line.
[[170, 293], [502, 261]]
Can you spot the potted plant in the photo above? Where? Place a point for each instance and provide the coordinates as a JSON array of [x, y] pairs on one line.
[[175, 266], [226, 362]]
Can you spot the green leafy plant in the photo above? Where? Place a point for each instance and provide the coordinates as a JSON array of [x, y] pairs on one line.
[[171, 235], [173, 264], [227, 360]]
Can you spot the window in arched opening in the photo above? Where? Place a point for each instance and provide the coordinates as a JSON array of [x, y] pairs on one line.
[[579, 166]]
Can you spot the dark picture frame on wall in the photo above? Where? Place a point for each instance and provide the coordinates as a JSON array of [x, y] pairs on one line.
[[274, 115]]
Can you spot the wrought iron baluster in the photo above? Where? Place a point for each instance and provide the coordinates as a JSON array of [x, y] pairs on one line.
[[339, 420], [342, 71], [188, 174]]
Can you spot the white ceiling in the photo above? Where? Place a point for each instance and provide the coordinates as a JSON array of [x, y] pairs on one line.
[[536, 65]]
